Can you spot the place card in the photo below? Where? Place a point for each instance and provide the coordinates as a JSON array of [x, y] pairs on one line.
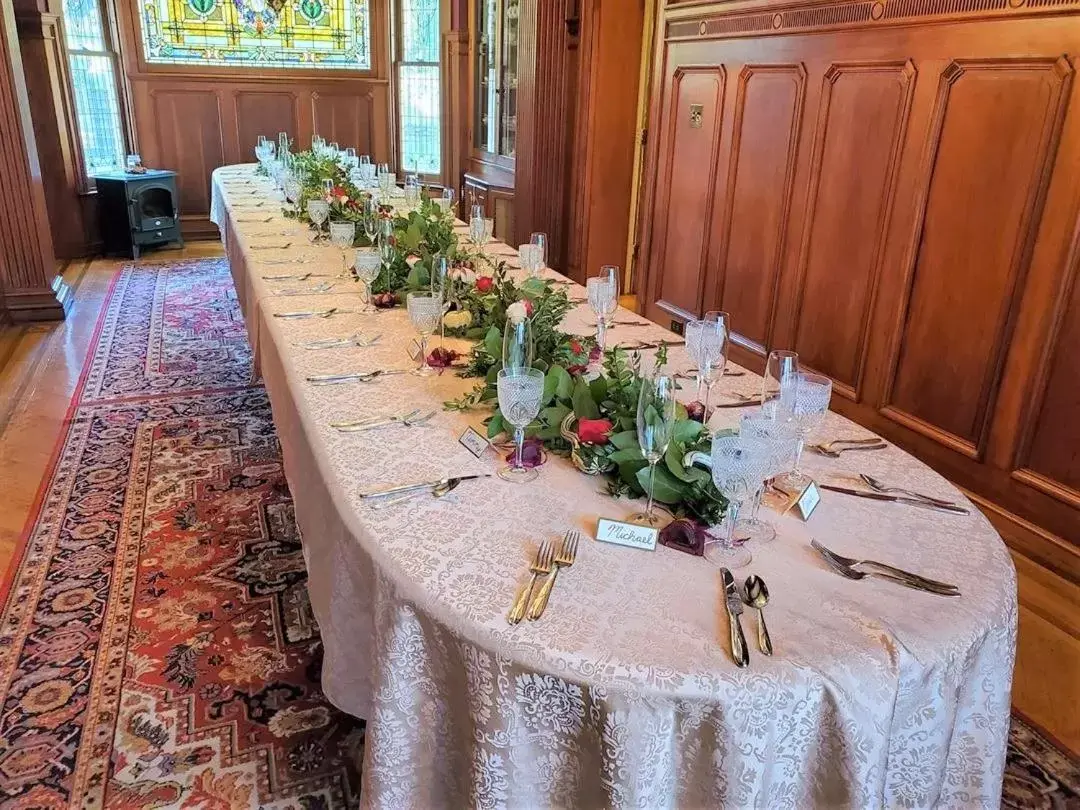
[[474, 442], [626, 534], [805, 502]]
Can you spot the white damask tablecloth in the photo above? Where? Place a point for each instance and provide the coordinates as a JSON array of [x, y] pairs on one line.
[[624, 694]]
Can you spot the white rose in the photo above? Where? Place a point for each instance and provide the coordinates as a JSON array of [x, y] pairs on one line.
[[516, 312]]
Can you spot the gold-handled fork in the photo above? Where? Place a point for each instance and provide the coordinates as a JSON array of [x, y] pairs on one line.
[[564, 558], [540, 566]]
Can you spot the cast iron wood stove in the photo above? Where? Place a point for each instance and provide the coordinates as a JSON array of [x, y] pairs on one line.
[[138, 210]]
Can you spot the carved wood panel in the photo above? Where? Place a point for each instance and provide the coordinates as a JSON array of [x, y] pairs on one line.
[[764, 148], [189, 139], [694, 115], [264, 112], [862, 119], [972, 242]]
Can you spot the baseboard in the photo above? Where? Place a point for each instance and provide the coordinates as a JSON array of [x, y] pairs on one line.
[[39, 304], [1035, 543]]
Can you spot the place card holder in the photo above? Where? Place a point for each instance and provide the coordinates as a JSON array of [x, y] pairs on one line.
[[475, 442], [804, 503]]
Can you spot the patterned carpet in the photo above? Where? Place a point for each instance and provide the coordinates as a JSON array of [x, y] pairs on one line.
[[157, 647]]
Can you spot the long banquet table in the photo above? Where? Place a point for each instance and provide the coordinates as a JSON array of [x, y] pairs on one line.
[[624, 694]]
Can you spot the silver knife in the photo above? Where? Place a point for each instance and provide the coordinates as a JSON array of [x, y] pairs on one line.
[[739, 651], [881, 496], [421, 485]]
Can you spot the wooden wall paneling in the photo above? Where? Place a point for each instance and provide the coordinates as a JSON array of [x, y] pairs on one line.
[[691, 142], [32, 289], [980, 205], [52, 110], [347, 117], [457, 114], [861, 125], [606, 135], [264, 112], [764, 151], [188, 136]]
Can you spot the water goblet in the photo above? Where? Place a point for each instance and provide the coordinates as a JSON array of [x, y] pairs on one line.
[[655, 424], [342, 236], [780, 365], [780, 442], [804, 401], [521, 391], [367, 264], [518, 347], [526, 258], [604, 302], [738, 466], [293, 189], [318, 211], [425, 312]]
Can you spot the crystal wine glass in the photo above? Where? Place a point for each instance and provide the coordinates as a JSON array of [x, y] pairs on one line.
[[342, 236], [804, 401], [738, 466], [527, 259], [293, 190], [780, 365], [655, 423], [318, 211], [780, 442], [518, 347], [604, 302], [425, 312], [368, 262], [520, 393]]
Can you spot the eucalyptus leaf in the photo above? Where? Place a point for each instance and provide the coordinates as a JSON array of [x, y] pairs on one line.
[[496, 426], [565, 388], [625, 440], [493, 341], [686, 431], [629, 454]]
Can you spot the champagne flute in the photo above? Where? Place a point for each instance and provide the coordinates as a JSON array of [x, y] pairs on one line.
[[655, 424], [342, 236], [386, 247], [520, 393], [371, 218], [367, 264], [540, 253], [440, 286], [712, 352], [780, 365], [425, 312], [737, 467], [446, 201], [518, 347], [604, 302], [611, 273], [318, 211]]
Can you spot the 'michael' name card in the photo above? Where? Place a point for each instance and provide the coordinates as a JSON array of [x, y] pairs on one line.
[[626, 534]]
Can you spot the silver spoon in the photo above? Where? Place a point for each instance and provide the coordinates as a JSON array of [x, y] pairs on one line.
[[757, 596], [874, 483]]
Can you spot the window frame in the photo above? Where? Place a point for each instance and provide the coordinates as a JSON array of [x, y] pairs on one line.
[[110, 34], [398, 44]]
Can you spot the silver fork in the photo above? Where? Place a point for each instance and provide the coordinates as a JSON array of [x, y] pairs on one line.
[[541, 566], [564, 558], [411, 419], [916, 581], [874, 483]]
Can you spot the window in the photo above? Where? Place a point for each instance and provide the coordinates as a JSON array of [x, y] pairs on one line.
[[419, 92], [93, 81], [258, 33]]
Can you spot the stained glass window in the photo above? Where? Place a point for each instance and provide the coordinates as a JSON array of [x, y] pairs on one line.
[[419, 93], [258, 33], [93, 80]]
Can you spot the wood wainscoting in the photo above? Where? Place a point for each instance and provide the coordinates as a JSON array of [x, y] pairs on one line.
[[892, 189]]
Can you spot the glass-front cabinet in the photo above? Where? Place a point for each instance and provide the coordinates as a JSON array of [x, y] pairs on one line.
[[495, 126]]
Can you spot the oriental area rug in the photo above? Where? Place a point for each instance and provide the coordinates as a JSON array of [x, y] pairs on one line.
[[157, 647]]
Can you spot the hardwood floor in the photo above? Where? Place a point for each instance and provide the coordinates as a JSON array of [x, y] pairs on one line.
[[40, 365]]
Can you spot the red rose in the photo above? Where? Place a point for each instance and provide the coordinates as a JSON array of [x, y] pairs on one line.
[[528, 307], [484, 283], [576, 347], [696, 412], [594, 431]]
